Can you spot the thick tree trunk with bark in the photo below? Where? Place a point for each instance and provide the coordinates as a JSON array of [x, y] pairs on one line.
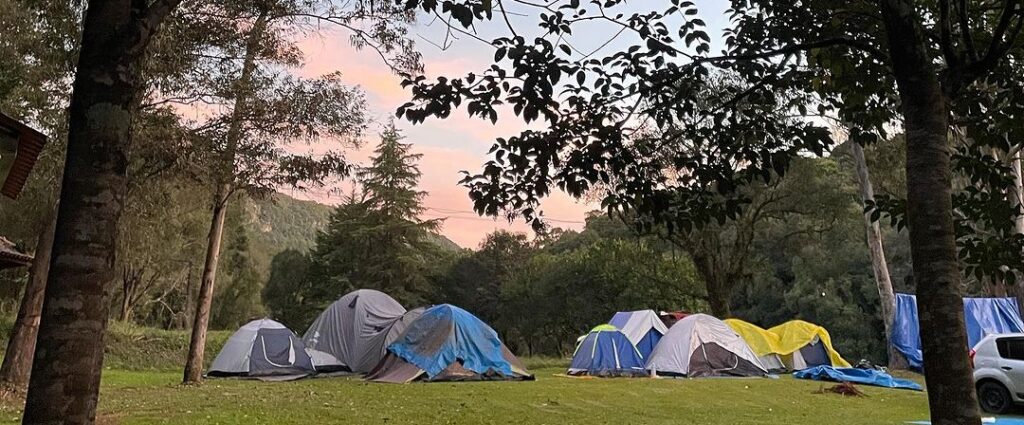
[[718, 288], [69, 352], [951, 396], [197, 345], [64, 385], [886, 296], [22, 345]]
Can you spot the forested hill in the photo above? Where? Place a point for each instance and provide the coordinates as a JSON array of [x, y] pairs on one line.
[[282, 222]]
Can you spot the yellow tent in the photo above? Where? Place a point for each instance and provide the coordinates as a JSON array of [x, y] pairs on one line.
[[761, 341], [796, 334]]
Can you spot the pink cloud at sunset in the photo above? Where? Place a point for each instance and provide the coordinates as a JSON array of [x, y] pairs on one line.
[[446, 199], [448, 146]]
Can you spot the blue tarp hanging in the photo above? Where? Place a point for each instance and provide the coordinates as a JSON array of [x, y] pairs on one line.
[[445, 333], [857, 376], [982, 316]]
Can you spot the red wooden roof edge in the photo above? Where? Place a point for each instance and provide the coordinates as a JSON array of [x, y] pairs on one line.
[[30, 144], [11, 257]]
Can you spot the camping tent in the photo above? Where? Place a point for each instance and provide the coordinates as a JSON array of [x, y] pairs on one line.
[[765, 344], [356, 328], [701, 345], [607, 352], [802, 345], [263, 349], [448, 343], [983, 316], [643, 327]]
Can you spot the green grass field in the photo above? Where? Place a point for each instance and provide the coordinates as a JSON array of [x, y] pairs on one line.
[[141, 386], [156, 398]]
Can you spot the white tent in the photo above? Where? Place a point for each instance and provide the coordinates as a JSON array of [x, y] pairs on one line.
[[357, 328], [701, 345], [772, 362], [263, 349], [643, 328]]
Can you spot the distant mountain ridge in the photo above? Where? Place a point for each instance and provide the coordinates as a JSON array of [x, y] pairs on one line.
[[281, 222]]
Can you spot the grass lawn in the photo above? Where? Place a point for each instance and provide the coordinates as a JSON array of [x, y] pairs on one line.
[[143, 397]]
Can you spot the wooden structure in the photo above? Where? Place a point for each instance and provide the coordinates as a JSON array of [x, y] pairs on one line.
[[20, 146], [11, 257], [25, 143]]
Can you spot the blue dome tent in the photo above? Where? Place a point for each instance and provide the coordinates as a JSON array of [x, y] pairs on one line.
[[606, 352]]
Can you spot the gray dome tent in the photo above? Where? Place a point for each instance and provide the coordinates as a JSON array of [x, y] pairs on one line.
[[356, 330], [263, 349], [700, 345]]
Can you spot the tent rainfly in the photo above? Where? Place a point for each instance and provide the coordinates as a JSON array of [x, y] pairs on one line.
[[263, 349], [643, 327], [448, 343], [765, 344], [700, 345], [356, 330], [606, 352], [803, 344]]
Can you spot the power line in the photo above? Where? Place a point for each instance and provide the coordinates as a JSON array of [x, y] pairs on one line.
[[447, 212], [544, 218]]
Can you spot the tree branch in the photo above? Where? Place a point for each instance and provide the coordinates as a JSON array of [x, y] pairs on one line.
[[996, 47], [965, 31], [799, 47], [945, 35]]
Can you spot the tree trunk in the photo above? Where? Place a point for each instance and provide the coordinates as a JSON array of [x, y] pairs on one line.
[[65, 376], [197, 345], [64, 384], [719, 300], [878, 263], [718, 289], [129, 282], [1018, 180], [951, 396], [126, 310], [242, 89], [22, 345]]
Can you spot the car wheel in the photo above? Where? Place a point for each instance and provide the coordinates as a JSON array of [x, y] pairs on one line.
[[994, 398]]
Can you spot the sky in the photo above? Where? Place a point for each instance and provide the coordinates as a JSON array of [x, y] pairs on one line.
[[459, 142]]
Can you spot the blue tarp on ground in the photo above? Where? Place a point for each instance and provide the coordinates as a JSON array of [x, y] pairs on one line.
[[983, 316], [445, 333], [857, 376], [607, 353], [998, 421]]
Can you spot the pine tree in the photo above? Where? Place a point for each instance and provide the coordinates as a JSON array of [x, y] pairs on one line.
[[376, 240]]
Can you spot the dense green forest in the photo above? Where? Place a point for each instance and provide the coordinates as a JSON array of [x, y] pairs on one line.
[[807, 260]]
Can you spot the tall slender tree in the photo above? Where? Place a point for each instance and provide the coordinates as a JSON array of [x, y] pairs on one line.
[[18, 357], [248, 147], [880, 267]]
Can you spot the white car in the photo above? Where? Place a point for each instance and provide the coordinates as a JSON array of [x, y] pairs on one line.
[[999, 372]]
